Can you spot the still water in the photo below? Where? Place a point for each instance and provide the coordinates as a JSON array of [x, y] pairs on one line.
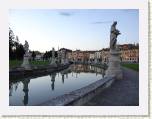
[[34, 91]]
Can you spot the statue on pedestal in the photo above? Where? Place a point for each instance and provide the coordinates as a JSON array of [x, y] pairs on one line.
[[114, 68], [63, 57], [53, 60], [26, 63], [26, 47], [59, 57]]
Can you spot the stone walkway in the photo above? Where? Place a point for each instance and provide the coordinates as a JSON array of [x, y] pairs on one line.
[[121, 93]]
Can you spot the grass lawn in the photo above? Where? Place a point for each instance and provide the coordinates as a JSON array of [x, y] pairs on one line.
[[17, 63], [39, 63], [132, 66]]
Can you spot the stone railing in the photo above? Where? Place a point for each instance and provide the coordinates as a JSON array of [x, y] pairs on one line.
[[80, 96]]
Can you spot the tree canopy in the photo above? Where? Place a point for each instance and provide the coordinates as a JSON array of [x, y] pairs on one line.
[[16, 49]]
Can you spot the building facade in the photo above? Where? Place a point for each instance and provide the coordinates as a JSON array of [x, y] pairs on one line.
[[129, 53]]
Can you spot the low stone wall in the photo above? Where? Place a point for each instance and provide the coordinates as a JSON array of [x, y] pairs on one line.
[[80, 96], [34, 71], [103, 66]]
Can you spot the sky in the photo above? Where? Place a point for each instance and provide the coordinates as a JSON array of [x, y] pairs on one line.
[[83, 29]]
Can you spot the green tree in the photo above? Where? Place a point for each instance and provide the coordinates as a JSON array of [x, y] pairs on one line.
[[19, 52], [11, 43], [16, 49], [33, 55]]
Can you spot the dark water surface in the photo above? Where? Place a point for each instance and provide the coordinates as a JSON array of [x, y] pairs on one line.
[[34, 91]]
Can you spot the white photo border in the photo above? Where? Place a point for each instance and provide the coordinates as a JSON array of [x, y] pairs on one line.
[[142, 109]]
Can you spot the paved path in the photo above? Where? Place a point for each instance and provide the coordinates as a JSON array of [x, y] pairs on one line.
[[121, 93]]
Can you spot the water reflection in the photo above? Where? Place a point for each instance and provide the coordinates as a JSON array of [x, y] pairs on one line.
[[62, 78], [53, 75], [76, 76], [12, 88], [25, 90]]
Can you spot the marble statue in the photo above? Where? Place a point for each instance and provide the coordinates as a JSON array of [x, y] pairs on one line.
[[26, 47], [53, 53], [53, 59], [114, 68], [26, 63], [113, 35], [63, 57]]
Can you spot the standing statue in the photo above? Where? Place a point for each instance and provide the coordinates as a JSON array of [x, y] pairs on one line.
[[26, 57], [114, 67], [26, 47], [113, 35], [53, 53], [53, 60]]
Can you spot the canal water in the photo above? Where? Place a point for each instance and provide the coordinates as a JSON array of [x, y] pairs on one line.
[[34, 91]]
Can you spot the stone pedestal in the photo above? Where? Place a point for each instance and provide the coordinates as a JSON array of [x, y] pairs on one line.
[[66, 61], [63, 61], [95, 61], [53, 62], [26, 63], [114, 68]]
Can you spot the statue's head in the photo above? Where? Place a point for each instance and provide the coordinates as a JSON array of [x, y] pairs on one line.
[[115, 23], [26, 42]]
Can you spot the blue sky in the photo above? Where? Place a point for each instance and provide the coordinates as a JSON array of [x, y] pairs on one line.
[[84, 29]]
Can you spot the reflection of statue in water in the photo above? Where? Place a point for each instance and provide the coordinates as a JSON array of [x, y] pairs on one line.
[[25, 90], [76, 75], [113, 35], [53, 80], [10, 89], [62, 78], [103, 73], [67, 75]]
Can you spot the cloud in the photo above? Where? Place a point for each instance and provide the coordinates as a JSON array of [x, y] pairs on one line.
[[102, 22], [67, 14]]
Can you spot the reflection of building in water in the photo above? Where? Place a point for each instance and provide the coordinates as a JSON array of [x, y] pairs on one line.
[[53, 75], [25, 90], [85, 68], [80, 68]]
